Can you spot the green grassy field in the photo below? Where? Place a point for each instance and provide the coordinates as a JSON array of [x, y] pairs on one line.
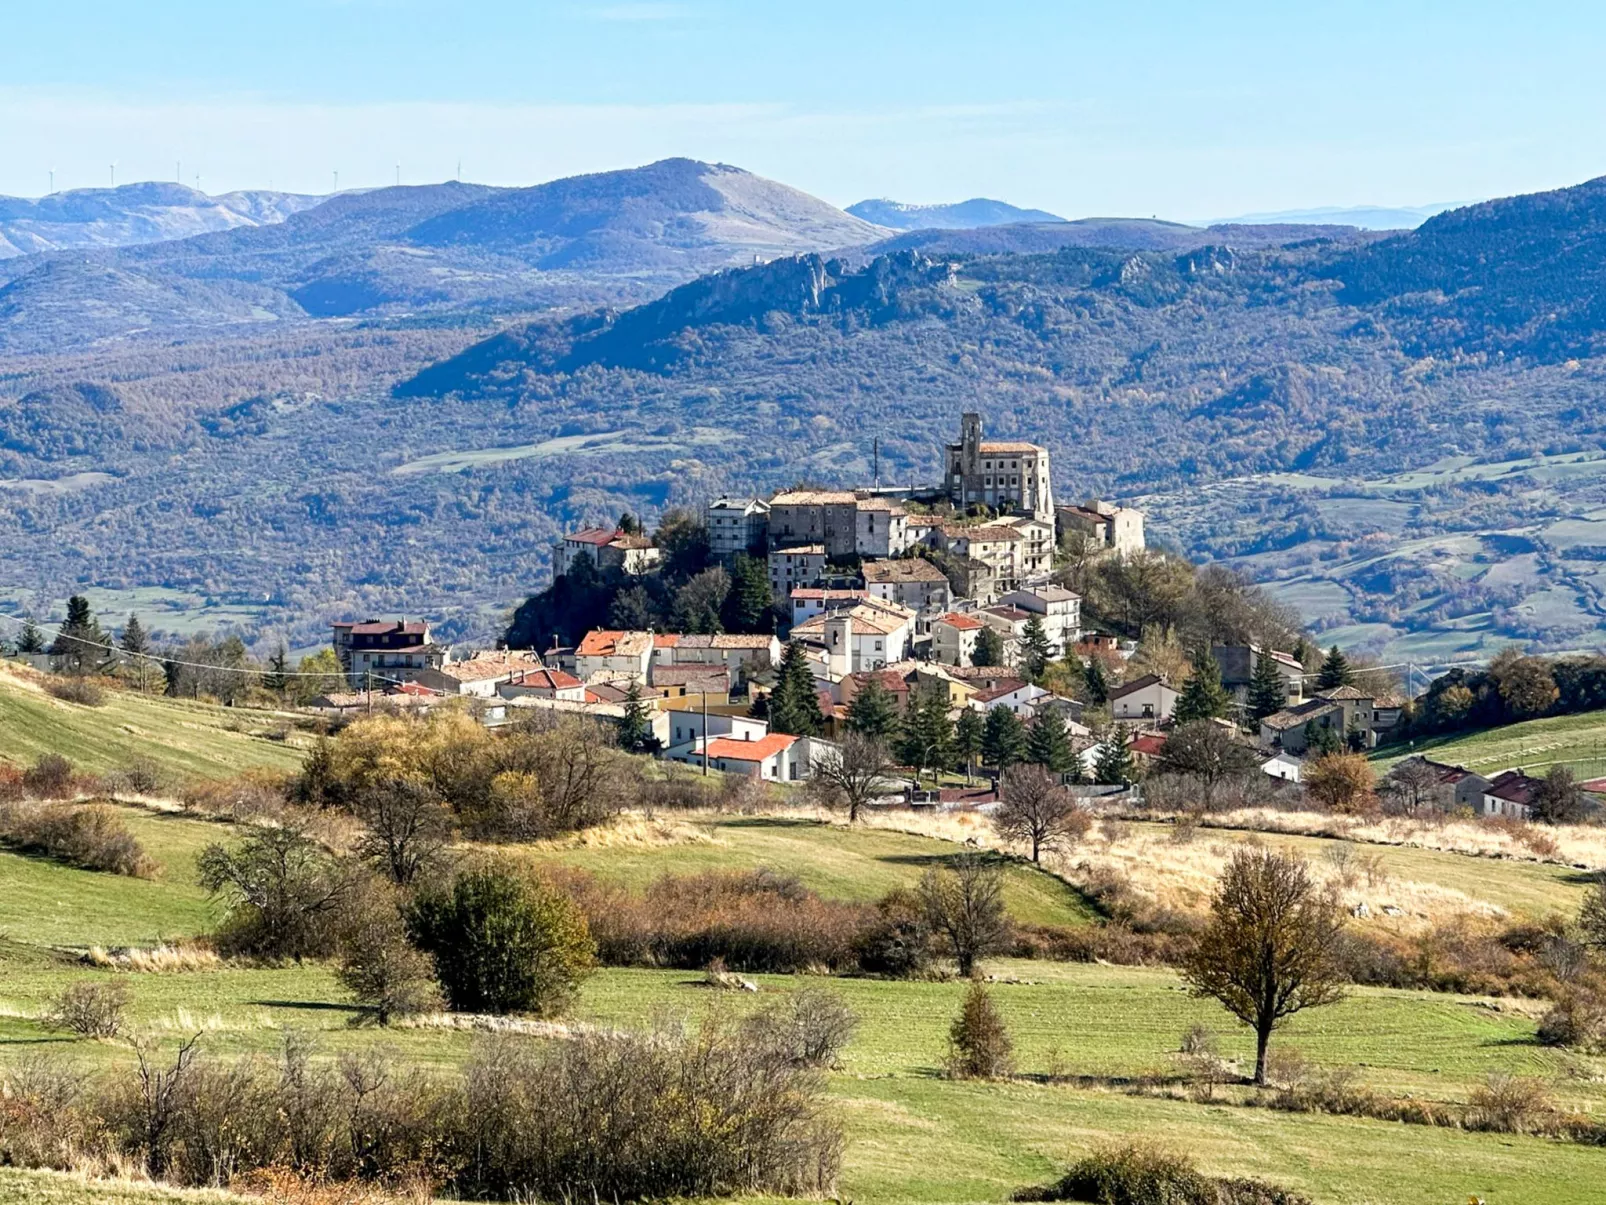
[[838, 862], [188, 739], [1577, 741]]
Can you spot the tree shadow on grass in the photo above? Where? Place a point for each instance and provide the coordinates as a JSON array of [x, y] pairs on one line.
[[321, 1006]]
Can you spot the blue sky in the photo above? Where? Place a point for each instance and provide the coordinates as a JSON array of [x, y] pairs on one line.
[[1185, 110]]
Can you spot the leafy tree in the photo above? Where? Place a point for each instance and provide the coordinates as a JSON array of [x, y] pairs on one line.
[[979, 1045], [1098, 686], [635, 726], [747, 605], [1271, 947], [1037, 812], [1202, 696], [968, 735], [79, 642], [282, 891], [32, 640], [1114, 766], [1335, 671], [1341, 782], [873, 712], [1592, 916], [989, 647], [926, 739], [965, 905], [383, 971], [854, 773], [1048, 742], [1267, 694], [317, 674], [1003, 739], [277, 677], [1527, 686], [683, 540], [1036, 653], [1560, 799], [628, 524], [503, 943], [794, 704], [632, 610], [699, 602]]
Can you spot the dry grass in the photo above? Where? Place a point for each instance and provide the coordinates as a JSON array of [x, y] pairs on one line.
[[486, 1023], [155, 960], [633, 830]]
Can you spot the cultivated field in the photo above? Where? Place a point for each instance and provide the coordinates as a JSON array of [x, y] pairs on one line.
[[1577, 741]]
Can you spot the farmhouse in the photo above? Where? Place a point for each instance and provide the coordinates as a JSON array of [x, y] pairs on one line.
[[1512, 794]]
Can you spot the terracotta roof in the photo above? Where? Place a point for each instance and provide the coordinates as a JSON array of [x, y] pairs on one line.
[[1051, 593], [888, 678], [629, 541], [729, 640], [911, 569], [490, 665], [606, 643], [597, 536], [1515, 787], [818, 594], [665, 640], [548, 679], [667, 675], [1013, 614], [814, 498], [1150, 744], [607, 692], [1293, 717], [885, 504], [417, 689], [876, 619], [965, 623], [763, 747]]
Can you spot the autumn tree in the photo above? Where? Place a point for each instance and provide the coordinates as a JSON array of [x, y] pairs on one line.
[[1270, 948], [408, 827], [1341, 782], [1035, 811], [1560, 800]]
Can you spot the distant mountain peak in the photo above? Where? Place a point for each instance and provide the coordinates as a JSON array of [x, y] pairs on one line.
[[961, 215]]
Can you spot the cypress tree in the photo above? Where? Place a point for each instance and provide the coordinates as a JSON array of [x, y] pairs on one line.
[[1003, 741], [747, 606], [1048, 742], [1098, 687], [1202, 696], [1114, 766], [635, 726], [1335, 671], [989, 648], [794, 705], [1267, 694], [1035, 650], [967, 739], [873, 712]]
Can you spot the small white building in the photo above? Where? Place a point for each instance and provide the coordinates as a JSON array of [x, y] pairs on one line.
[[794, 568], [863, 637], [1149, 698], [814, 600], [911, 581], [608, 548], [478, 676], [1116, 528], [543, 684], [953, 638], [736, 525], [1059, 610], [881, 528], [611, 652], [1018, 697]]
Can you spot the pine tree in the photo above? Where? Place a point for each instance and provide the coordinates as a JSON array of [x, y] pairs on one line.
[[635, 726], [1202, 696], [873, 712], [1335, 671], [1114, 766], [1003, 741], [794, 706], [277, 677], [1048, 742], [1267, 694], [967, 740], [1098, 686], [927, 737], [32, 639], [1036, 653], [989, 648], [747, 606], [79, 641]]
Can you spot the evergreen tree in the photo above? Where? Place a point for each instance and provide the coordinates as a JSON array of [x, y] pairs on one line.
[[1302, 651], [1114, 766], [1035, 653], [928, 735], [1321, 740], [1098, 686], [1048, 742], [967, 739], [1267, 694], [794, 706], [79, 643], [32, 639], [635, 726], [1003, 740], [747, 606], [277, 677], [628, 524], [989, 648], [873, 712], [1202, 696], [1335, 671]]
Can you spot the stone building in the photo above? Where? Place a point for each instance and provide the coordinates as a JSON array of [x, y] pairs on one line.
[[1007, 475]]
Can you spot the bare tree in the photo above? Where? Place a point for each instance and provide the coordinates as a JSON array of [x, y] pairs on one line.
[[408, 827], [1037, 811], [1413, 785], [965, 903], [159, 1101], [1592, 916], [1209, 753], [855, 773], [1270, 949]]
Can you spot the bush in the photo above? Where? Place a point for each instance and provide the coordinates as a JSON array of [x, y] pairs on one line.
[[896, 941], [807, 1029], [253, 795], [139, 776], [978, 1042], [1576, 1021], [381, 969], [77, 690], [92, 837], [503, 943], [51, 777], [1136, 1174], [90, 1010], [1509, 1104], [283, 891]]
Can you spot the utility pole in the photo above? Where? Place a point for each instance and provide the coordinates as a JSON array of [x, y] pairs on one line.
[[52, 181], [705, 732], [369, 676], [114, 175], [337, 181]]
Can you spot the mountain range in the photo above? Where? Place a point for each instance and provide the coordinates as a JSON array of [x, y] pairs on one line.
[[1366, 217], [962, 215]]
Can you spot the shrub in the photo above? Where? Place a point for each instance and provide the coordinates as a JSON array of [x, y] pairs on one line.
[[283, 892], [807, 1029], [897, 940], [978, 1041], [77, 690], [1137, 1174], [1576, 1021], [90, 1010], [253, 795], [91, 837], [51, 777], [1509, 1104], [503, 943], [41, 1121], [381, 969], [138, 776]]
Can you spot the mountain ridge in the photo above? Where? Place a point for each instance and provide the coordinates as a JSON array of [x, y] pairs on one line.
[[958, 215]]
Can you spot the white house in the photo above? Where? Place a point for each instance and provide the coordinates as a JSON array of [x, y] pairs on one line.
[[1019, 697], [813, 600], [691, 725], [606, 651], [953, 638], [1512, 794], [1058, 609], [478, 676], [543, 684], [1149, 698], [865, 636], [734, 651], [736, 525]]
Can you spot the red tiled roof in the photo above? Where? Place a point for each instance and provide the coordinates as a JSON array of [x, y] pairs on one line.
[[1150, 744], [665, 640], [764, 747], [1515, 787], [965, 623], [598, 536], [549, 679], [376, 627]]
